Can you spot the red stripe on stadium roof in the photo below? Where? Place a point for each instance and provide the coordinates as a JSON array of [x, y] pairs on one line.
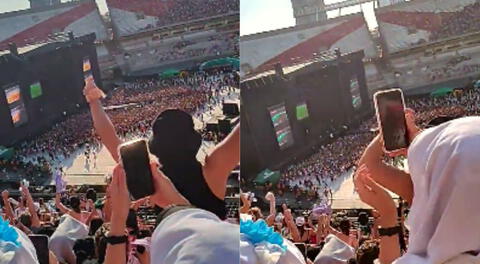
[[147, 7], [304, 51], [41, 31], [419, 20]]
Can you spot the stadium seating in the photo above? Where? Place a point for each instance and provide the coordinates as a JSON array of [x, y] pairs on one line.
[[130, 17], [178, 49], [31, 26], [419, 22]]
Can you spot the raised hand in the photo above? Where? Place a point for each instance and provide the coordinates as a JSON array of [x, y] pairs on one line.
[[372, 193], [118, 189], [412, 128], [165, 192], [5, 195], [269, 196]]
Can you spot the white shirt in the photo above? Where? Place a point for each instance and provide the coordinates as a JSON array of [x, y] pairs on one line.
[[195, 236]]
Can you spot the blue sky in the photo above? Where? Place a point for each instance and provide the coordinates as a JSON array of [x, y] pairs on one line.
[[263, 15], [14, 5]]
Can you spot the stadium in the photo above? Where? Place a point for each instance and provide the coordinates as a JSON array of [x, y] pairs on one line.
[[308, 112], [144, 58]]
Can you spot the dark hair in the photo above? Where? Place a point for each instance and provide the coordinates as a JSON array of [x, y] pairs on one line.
[[363, 218], [344, 226], [91, 194], [170, 126], [132, 221], [75, 204], [95, 224], [101, 242], [368, 252], [26, 219], [84, 249]]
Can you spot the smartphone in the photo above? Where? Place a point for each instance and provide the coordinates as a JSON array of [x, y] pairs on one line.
[[390, 108], [136, 162], [40, 242], [87, 68]]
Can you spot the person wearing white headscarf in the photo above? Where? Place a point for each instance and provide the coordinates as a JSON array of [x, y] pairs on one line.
[[248, 253], [24, 252], [335, 251], [184, 235], [444, 217]]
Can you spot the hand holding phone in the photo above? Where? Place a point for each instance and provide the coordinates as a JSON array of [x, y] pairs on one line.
[[136, 162], [389, 106]]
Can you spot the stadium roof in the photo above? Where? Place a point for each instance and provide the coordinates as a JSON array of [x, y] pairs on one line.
[[326, 57], [43, 8], [24, 49]]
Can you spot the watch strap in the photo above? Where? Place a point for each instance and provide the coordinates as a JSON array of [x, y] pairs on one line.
[[389, 231], [115, 240]]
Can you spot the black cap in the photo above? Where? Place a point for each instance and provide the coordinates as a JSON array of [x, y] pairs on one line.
[[174, 137]]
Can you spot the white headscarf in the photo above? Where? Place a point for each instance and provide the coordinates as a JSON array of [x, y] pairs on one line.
[[335, 251], [444, 219], [195, 236], [25, 253], [248, 255]]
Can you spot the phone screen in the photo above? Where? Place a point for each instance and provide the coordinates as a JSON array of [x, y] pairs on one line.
[[40, 242], [87, 68], [136, 163], [391, 116]]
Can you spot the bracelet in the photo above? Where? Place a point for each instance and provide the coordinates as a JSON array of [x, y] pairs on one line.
[[389, 231], [115, 240]]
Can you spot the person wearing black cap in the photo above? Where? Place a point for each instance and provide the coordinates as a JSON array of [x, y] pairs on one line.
[[175, 143]]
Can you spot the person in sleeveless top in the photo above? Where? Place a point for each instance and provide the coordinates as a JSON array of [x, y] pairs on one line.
[[175, 143]]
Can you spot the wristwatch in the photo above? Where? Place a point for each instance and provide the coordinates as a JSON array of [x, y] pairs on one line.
[[389, 231], [115, 240]]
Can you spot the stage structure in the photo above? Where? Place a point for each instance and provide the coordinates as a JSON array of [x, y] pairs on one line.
[[288, 111], [42, 84]]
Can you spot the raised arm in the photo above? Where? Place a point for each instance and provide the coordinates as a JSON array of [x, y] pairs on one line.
[[374, 195], [60, 206], [246, 204], [8, 207], [394, 179], [31, 207], [221, 162], [291, 224], [273, 211], [92, 214], [101, 122]]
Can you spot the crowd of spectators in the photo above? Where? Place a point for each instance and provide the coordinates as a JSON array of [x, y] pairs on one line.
[[458, 23], [134, 107], [315, 173], [438, 184], [188, 10], [318, 235], [220, 44], [74, 225]]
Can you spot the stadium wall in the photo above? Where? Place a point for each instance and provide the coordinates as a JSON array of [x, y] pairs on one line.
[[38, 25], [259, 52], [415, 23]]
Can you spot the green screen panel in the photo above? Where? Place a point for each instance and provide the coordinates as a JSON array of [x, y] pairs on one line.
[[302, 111], [35, 90]]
